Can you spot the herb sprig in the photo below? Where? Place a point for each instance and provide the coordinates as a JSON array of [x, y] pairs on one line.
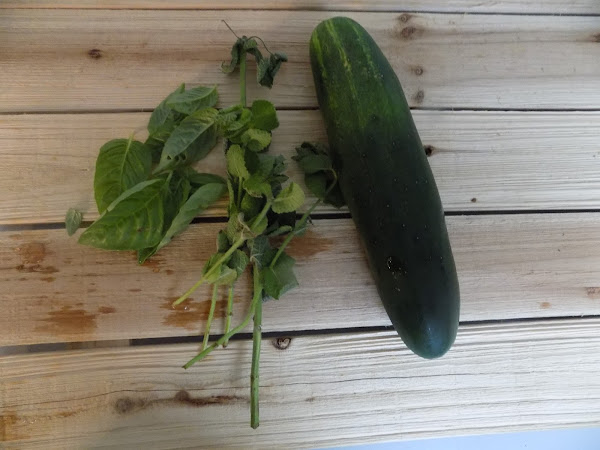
[[148, 192]]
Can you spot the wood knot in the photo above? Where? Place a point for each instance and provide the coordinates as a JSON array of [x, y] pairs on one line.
[[596, 37], [418, 71], [125, 405], [408, 32], [474, 200], [429, 149], [419, 96], [282, 343], [405, 17], [95, 53]]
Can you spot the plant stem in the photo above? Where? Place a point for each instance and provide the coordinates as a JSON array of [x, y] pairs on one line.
[[262, 214], [229, 313], [239, 194], [243, 78], [211, 314], [301, 223], [254, 372], [255, 299], [216, 266]]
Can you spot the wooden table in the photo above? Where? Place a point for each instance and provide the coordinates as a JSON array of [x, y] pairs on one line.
[[506, 95]]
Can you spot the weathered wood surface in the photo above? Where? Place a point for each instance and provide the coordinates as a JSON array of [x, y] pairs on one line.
[[513, 266], [319, 391], [466, 6], [481, 160], [103, 60]]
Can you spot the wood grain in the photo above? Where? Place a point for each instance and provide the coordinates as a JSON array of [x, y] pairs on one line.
[[81, 60], [510, 267], [468, 6], [319, 391], [482, 161]]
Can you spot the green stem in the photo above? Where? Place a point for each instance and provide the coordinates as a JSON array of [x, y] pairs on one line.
[[301, 223], [216, 266], [229, 313], [255, 299], [262, 214], [211, 314], [243, 78], [239, 194], [254, 372]]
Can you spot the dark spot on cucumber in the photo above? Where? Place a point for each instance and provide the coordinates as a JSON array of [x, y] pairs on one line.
[[429, 149], [282, 343], [95, 53], [396, 266], [419, 96], [474, 200], [404, 17]]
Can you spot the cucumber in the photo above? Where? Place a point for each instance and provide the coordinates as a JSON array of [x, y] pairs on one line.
[[388, 185]]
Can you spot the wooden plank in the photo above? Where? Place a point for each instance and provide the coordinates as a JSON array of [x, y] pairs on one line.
[[514, 266], [467, 6], [57, 60], [503, 160], [319, 391]]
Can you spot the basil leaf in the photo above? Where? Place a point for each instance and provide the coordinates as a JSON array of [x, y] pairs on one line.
[[73, 221], [162, 112], [256, 140], [133, 221], [236, 164], [264, 115], [289, 199], [121, 164], [198, 179], [200, 200], [280, 278], [267, 68], [192, 100], [191, 141]]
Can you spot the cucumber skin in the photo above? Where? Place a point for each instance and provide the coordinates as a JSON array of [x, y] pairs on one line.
[[387, 182]]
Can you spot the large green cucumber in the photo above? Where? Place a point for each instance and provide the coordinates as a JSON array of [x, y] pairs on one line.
[[387, 182]]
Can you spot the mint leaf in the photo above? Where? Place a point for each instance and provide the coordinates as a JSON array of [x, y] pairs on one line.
[[133, 221], [193, 100], [121, 164], [73, 221], [236, 164], [257, 186], [250, 206], [261, 252], [237, 127], [256, 140], [238, 261], [280, 278], [268, 67], [222, 242], [289, 199], [264, 115], [162, 112]]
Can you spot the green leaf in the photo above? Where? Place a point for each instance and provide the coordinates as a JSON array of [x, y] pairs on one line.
[[257, 186], [318, 183], [250, 206], [264, 115], [289, 199], [162, 112], [198, 202], [198, 179], [236, 128], [133, 221], [238, 261], [222, 242], [279, 279], [191, 141], [235, 227], [121, 164], [268, 67], [255, 139], [221, 275], [236, 164], [73, 221], [260, 226], [236, 51], [261, 252], [315, 163], [192, 100]]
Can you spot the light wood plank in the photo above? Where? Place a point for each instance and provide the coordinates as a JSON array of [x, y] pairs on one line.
[[505, 161], [57, 60], [320, 391], [468, 6], [515, 266]]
